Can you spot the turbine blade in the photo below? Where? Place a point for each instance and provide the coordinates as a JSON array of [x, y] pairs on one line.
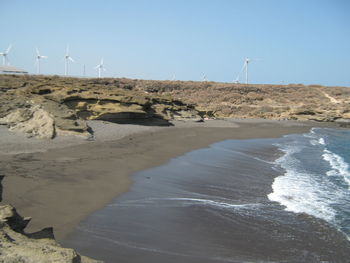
[[67, 50], [8, 49], [98, 66], [70, 58], [37, 52], [43, 56]]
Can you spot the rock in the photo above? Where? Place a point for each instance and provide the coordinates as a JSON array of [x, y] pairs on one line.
[[346, 116], [33, 121], [45, 107], [17, 246]]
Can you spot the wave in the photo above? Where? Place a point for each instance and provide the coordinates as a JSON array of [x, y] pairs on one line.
[[298, 191], [338, 165], [315, 180]]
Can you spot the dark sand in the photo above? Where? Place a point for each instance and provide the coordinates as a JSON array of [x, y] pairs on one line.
[[207, 206], [62, 186]]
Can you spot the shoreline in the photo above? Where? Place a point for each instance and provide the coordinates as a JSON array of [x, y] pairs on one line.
[[62, 186], [207, 204]]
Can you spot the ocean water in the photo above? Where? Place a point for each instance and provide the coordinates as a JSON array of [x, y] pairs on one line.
[[317, 176], [261, 200]]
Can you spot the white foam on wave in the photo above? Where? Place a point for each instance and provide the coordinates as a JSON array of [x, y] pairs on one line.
[[299, 191], [196, 201], [314, 138], [185, 202], [338, 165], [322, 141]]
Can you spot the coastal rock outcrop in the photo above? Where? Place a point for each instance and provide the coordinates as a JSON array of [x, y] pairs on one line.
[[46, 106], [33, 121], [18, 246]]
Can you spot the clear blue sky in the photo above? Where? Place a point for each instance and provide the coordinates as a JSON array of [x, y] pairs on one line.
[[299, 41]]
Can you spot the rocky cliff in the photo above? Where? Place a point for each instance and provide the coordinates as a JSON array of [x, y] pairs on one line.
[[50, 106], [46, 106]]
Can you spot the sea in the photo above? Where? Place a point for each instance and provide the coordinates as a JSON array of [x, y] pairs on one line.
[[259, 200]]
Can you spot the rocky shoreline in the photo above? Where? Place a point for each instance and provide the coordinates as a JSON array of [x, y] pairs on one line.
[[48, 106], [49, 171]]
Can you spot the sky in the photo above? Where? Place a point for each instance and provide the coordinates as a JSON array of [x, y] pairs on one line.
[[293, 41]]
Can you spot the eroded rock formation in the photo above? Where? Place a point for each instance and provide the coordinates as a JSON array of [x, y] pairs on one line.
[[49, 106]]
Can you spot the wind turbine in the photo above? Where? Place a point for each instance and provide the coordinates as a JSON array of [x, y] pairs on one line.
[[99, 67], [4, 54], [245, 67], [37, 61], [205, 78], [67, 57]]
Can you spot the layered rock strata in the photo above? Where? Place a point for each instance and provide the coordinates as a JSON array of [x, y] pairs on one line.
[[48, 106]]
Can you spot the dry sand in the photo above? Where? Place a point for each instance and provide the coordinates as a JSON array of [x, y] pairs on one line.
[[60, 182]]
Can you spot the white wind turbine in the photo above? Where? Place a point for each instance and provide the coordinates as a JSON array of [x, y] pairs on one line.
[[99, 67], [245, 67], [5, 59], [205, 78], [67, 57], [37, 60]]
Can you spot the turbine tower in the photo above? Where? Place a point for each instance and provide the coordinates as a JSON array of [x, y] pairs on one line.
[[67, 57], [247, 60], [5, 59], [99, 67], [37, 60]]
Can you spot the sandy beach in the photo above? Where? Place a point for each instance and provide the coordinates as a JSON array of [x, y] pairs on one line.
[[60, 182]]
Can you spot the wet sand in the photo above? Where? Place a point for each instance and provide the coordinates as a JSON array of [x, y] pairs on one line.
[[209, 205], [60, 185]]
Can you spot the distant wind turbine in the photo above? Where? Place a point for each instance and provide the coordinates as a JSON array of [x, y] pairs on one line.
[[205, 77], [67, 57], [174, 77], [5, 59], [37, 60], [245, 67], [99, 67]]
